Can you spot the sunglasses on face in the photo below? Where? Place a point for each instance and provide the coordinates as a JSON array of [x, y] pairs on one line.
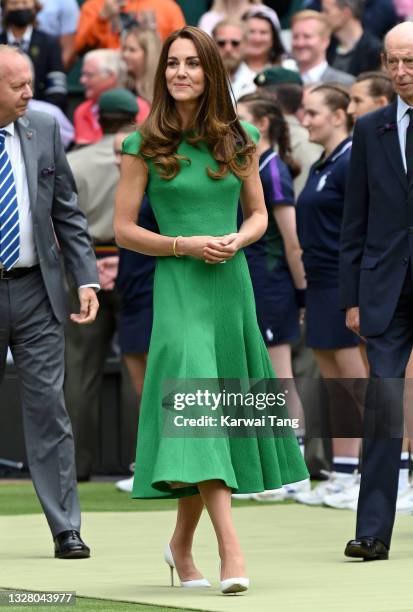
[[223, 43]]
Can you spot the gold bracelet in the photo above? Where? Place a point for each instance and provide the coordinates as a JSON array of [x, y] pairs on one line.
[[174, 246]]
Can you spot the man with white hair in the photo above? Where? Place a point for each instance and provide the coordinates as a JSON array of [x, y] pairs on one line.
[[102, 69]]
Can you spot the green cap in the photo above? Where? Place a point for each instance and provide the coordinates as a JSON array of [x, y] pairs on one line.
[[118, 101], [276, 76]]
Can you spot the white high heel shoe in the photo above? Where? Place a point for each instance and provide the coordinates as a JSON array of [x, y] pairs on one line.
[[230, 586], [200, 582]]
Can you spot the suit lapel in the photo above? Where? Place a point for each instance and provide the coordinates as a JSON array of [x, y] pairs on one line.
[[389, 138], [28, 143]]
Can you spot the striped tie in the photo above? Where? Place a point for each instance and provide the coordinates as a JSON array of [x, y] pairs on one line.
[[9, 214]]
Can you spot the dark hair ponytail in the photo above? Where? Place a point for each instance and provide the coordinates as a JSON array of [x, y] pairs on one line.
[[261, 105]]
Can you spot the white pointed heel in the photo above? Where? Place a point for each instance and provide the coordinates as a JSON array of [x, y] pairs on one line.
[[234, 585], [230, 586], [200, 582]]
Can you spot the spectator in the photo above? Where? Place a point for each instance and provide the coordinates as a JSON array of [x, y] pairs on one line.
[[379, 16], [102, 21], [352, 49], [19, 30], [310, 35], [59, 18], [230, 35], [140, 52], [264, 46], [319, 217], [102, 70], [274, 261], [371, 91], [96, 178], [225, 9], [286, 86]]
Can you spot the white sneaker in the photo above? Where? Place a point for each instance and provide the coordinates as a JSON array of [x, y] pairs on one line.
[[334, 484], [295, 488], [404, 503], [347, 498], [125, 485], [288, 491], [274, 495]]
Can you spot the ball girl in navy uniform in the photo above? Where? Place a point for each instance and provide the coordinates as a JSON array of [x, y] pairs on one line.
[[319, 215], [274, 261]]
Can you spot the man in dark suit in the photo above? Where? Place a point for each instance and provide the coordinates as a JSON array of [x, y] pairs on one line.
[[377, 288], [39, 222]]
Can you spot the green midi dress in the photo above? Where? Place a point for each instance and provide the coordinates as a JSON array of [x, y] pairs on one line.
[[204, 327]]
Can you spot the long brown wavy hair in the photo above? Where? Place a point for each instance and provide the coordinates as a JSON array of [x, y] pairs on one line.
[[215, 121]]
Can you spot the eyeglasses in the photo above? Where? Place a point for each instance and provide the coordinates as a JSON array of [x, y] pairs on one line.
[[222, 43], [89, 75]]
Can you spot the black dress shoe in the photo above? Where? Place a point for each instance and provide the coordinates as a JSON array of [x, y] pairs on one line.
[[69, 545], [367, 548]]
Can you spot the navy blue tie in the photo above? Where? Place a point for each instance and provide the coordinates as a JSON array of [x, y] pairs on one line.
[[9, 213]]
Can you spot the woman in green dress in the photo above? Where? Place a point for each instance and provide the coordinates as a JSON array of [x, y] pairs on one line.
[[195, 160]]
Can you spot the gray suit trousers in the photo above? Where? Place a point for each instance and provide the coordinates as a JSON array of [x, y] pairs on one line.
[[36, 340]]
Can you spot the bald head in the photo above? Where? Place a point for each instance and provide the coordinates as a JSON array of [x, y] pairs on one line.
[[400, 34], [398, 59], [11, 59], [15, 88]]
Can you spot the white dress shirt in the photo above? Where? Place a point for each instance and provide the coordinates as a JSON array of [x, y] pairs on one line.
[[23, 42], [403, 120], [314, 74], [28, 255], [242, 81]]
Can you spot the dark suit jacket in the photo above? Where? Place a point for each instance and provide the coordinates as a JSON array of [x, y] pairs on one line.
[[50, 79], [377, 230], [366, 54], [59, 226]]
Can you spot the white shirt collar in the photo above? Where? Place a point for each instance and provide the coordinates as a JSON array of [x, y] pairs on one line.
[[11, 39], [402, 108], [314, 74], [9, 128]]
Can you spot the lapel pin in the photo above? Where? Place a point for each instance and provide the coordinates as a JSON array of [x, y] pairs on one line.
[[29, 134]]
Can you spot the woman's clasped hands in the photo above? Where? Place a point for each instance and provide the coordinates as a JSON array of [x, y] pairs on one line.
[[212, 249]]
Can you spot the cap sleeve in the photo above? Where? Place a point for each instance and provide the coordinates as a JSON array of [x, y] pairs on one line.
[[251, 130], [131, 144]]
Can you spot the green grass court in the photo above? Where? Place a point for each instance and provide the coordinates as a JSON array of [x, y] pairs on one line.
[[294, 557]]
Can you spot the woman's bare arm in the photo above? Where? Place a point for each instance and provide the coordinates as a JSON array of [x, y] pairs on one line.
[[286, 221], [130, 192]]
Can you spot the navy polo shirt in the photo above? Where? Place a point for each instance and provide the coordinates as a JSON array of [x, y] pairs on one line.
[[319, 216], [267, 254], [136, 270]]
